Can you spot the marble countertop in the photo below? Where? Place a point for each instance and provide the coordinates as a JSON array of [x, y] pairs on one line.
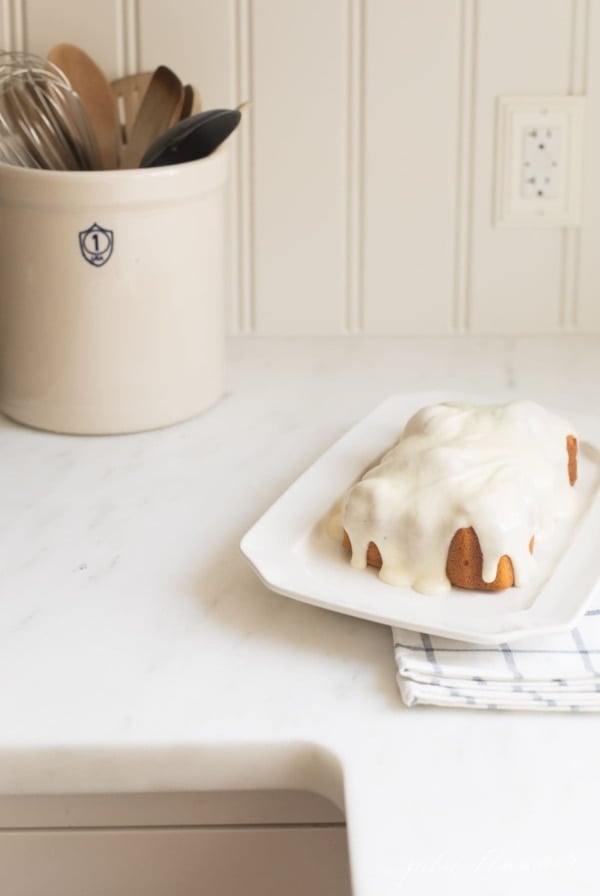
[[138, 650]]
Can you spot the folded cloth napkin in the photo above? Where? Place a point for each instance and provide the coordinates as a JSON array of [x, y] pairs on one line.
[[553, 672]]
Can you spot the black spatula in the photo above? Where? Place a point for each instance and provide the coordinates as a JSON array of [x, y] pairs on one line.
[[192, 138]]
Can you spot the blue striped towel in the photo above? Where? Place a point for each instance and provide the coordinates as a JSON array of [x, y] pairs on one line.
[[554, 672]]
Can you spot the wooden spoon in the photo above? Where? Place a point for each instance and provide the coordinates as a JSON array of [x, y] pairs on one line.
[[97, 98], [160, 106], [192, 102]]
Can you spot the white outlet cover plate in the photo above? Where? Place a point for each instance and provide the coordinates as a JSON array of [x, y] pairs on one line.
[[515, 116]]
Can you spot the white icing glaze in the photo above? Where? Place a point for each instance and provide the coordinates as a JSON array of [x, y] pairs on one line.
[[501, 469]]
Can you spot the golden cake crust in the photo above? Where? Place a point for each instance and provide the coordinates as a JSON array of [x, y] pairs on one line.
[[465, 560], [572, 454]]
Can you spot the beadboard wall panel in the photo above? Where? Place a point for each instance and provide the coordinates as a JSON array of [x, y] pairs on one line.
[[516, 275], [195, 40], [299, 154], [362, 178], [98, 27], [410, 163], [5, 23], [198, 41]]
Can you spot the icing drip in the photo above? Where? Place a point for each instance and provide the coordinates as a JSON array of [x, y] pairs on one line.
[[501, 469]]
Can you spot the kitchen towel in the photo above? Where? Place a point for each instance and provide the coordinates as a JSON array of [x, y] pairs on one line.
[[553, 672]]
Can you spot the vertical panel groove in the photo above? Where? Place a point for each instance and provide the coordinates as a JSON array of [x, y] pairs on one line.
[[244, 175], [571, 238], [355, 74], [22, 18], [133, 34], [6, 10], [235, 208], [467, 64], [120, 37], [17, 32], [128, 36]]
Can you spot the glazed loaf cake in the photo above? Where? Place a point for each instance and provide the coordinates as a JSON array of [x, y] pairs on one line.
[[461, 496]]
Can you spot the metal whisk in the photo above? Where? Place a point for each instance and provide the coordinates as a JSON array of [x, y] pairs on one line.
[[42, 121]]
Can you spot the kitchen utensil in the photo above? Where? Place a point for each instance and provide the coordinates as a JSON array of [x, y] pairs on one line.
[[161, 104], [129, 92], [12, 152], [15, 63], [192, 102], [90, 84], [32, 126], [192, 138], [42, 121], [58, 107]]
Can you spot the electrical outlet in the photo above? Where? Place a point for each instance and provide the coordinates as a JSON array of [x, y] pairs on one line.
[[539, 161], [541, 167]]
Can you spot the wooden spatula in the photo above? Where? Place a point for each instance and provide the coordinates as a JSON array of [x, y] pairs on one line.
[[160, 106], [96, 96], [129, 92], [192, 102]]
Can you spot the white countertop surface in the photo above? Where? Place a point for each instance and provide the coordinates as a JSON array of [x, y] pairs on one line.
[[138, 650]]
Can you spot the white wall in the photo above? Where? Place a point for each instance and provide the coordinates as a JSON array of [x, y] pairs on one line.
[[362, 181]]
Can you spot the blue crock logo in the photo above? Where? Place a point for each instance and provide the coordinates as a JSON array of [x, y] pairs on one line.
[[96, 244]]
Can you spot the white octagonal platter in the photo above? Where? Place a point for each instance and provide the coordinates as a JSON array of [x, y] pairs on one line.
[[291, 551]]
